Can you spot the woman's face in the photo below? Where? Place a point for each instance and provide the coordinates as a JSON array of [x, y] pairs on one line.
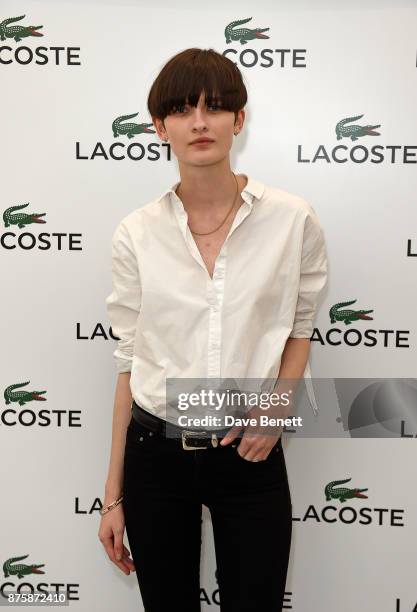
[[187, 123]]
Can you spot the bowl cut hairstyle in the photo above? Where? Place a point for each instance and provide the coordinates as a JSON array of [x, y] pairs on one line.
[[193, 71]]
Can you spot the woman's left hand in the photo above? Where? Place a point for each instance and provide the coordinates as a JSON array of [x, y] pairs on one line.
[[256, 444]]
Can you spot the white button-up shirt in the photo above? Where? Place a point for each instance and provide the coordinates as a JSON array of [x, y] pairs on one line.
[[175, 321]]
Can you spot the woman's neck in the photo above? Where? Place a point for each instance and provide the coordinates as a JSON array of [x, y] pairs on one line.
[[213, 191]]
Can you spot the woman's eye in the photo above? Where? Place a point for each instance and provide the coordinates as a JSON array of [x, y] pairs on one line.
[[176, 109], [179, 109], [216, 105]]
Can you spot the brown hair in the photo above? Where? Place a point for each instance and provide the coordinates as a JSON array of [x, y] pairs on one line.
[[188, 73]]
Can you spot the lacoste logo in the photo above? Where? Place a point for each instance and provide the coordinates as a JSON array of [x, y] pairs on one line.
[[10, 217], [18, 31], [130, 129], [21, 569], [347, 315], [243, 34], [342, 493], [22, 397], [355, 131]]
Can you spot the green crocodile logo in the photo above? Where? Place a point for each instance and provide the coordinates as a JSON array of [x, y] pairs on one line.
[[347, 315], [130, 129], [17, 32], [355, 131], [342, 493], [21, 219], [23, 397], [243, 34], [21, 569]]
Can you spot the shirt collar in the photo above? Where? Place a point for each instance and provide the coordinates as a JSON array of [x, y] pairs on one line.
[[253, 189]]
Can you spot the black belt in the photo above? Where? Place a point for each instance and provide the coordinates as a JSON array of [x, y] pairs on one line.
[[192, 439]]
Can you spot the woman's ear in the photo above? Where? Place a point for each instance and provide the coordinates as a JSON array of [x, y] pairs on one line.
[[239, 120], [160, 128]]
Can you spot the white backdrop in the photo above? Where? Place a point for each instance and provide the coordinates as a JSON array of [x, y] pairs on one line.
[[343, 61]]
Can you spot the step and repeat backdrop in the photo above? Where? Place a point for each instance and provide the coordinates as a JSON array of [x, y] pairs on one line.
[[331, 117]]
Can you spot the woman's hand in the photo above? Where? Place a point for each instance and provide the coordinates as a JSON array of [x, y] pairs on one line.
[[257, 441], [112, 526]]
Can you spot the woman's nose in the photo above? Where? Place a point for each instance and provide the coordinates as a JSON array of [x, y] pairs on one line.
[[199, 117]]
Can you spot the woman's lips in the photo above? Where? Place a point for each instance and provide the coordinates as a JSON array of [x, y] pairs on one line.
[[203, 143]]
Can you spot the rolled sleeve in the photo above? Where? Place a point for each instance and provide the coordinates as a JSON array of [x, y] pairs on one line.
[[123, 303], [313, 276]]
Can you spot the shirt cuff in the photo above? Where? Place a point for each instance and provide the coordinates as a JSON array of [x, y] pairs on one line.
[[302, 329], [123, 364]]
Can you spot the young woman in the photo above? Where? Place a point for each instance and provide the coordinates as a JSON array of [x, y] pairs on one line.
[[217, 278]]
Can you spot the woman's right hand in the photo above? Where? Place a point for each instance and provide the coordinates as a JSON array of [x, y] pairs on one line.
[[112, 526]]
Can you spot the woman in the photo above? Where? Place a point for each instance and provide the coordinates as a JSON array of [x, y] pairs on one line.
[[218, 278]]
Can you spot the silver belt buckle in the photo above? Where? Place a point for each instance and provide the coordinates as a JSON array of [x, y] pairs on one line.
[[189, 435]]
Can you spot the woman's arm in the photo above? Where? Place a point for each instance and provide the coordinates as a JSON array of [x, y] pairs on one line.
[[294, 358], [121, 418], [293, 362], [123, 307], [112, 524]]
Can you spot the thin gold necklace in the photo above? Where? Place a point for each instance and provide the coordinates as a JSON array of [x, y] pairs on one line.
[[218, 227]]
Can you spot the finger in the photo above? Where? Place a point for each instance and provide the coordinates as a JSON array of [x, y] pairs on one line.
[[120, 564], [253, 456], [118, 545], [231, 435], [248, 441], [108, 545], [129, 564], [245, 437], [125, 569], [127, 560], [246, 453], [250, 450]]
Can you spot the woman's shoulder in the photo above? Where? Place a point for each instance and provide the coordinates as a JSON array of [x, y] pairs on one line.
[[140, 215], [280, 199]]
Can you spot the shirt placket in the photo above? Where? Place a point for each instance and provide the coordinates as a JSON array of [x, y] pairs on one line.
[[215, 298], [215, 295], [215, 287]]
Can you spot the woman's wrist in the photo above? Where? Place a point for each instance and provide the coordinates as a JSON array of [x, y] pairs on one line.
[[108, 507], [112, 490]]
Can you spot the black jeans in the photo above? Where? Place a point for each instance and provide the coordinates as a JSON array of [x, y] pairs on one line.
[[251, 513]]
